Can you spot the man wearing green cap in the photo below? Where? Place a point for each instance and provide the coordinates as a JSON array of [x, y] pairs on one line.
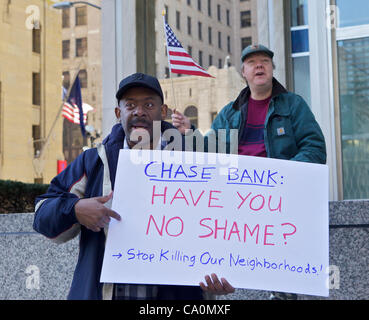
[[271, 121]]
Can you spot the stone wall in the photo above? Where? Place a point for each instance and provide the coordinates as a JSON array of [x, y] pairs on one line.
[[32, 267]]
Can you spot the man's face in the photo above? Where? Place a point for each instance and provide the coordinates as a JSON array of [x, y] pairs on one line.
[[257, 69], [138, 108]]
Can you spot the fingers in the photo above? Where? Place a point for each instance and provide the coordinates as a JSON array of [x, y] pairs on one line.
[[177, 118], [104, 199], [227, 286], [94, 214], [114, 215], [214, 283], [181, 122], [108, 213], [216, 286]]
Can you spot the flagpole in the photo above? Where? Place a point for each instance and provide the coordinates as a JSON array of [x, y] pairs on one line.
[[170, 69], [38, 162], [59, 113]]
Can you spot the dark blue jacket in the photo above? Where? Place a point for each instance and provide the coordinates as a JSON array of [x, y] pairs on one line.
[[55, 218]]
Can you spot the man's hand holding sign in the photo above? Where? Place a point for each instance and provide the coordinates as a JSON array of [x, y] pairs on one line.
[[253, 223]]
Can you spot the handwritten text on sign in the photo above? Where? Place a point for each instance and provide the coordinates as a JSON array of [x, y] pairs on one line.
[[262, 224]]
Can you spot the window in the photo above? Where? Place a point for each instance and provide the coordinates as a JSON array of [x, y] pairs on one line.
[[66, 49], [301, 77], [66, 79], [178, 20], [210, 60], [83, 78], [200, 57], [191, 113], [167, 73], [81, 16], [219, 40], [189, 2], [189, 50], [209, 8], [199, 5], [228, 17], [36, 89], [81, 47], [245, 42], [200, 30], [66, 18], [36, 38], [189, 31], [300, 49], [219, 14], [228, 44], [299, 13], [353, 13], [210, 31], [353, 79], [36, 136], [245, 19], [219, 63]]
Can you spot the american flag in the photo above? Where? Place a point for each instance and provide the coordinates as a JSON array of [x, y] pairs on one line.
[[179, 60], [71, 113], [75, 101]]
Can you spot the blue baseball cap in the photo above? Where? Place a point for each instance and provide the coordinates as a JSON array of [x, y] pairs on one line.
[[255, 48], [139, 80]]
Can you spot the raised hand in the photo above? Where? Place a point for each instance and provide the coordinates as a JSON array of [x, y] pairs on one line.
[[180, 121]]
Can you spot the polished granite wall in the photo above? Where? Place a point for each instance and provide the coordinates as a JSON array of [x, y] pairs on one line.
[[32, 267]]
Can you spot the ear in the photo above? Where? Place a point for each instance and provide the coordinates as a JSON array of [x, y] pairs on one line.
[[164, 111], [242, 73], [117, 112]]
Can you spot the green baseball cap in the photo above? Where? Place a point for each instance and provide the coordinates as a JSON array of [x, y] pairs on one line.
[[254, 48]]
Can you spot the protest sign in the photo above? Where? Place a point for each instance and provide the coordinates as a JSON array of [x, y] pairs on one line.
[[260, 223]]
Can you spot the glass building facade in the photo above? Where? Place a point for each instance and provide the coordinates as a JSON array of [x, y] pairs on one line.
[[300, 48], [353, 78], [349, 57]]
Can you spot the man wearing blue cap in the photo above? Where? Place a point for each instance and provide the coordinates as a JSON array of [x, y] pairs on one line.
[[78, 199], [271, 121]]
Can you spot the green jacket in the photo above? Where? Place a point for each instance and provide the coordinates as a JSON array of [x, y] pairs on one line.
[[290, 131]]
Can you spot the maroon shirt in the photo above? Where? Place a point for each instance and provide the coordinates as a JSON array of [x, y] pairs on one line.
[[252, 138]]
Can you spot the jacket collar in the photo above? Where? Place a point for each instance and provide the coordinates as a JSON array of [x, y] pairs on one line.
[[245, 94]]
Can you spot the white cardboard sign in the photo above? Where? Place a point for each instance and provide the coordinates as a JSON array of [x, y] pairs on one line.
[[260, 223]]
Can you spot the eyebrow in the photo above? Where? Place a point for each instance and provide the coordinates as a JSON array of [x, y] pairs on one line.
[[133, 99]]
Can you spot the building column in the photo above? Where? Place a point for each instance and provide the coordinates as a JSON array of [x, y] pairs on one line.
[[321, 82], [128, 46], [117, 60], [271, 33]]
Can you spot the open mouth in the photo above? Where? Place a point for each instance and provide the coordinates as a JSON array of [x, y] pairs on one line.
[[259, 74], [139, 125]]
